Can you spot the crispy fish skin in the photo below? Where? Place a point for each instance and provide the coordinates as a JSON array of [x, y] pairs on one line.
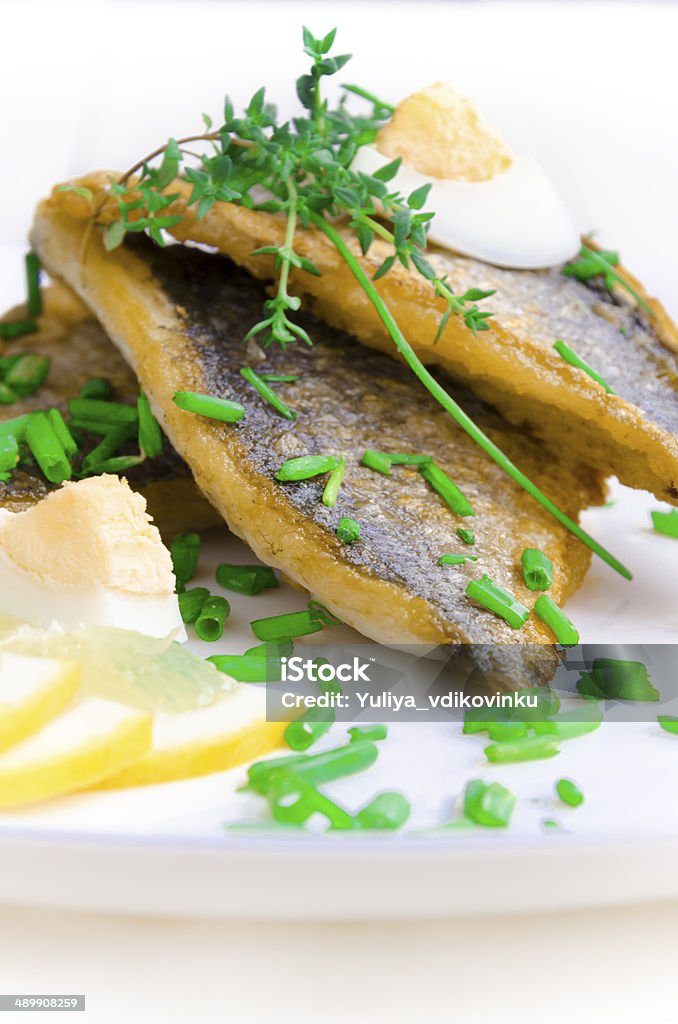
[[631, 434], [78, 349], [179, 317]]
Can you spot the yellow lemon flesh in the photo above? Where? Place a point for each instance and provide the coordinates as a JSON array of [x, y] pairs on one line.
[[32, 691]]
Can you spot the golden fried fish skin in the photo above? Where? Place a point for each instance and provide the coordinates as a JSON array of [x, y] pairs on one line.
[[179, 316]]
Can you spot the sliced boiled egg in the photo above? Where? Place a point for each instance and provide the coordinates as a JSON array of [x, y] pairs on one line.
[[490, 204], [88, 554]]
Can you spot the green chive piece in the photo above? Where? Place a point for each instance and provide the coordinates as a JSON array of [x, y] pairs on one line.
[[368, 732], [506, 731], [99, 427], [248, 668], [569, 792], [150, 434], [406, 459], [114, 439], [666, 522], [28, 374], [457, 559], [669, 723], [17, 329], [571, 357], [377, 461], [209, 626], [304, 731], [97, 387], [7, 362], [16, 426], [306, 466], [293, 801], [618, 679], [119, 464], [316, 769], [466, 535], [571, 725], [32, 263], [331, 492], [448, 491], [323, 614], [63, 434], [7, 397], [537, 569], [280, 378], [46, 449], [267, 393], [386, 811], [185, 552], [9, 453], [113, 414], [563, 629], [191, 603], [551, 825], [246, 579], [207, 405], [488, 805], [279, 649], [348, 530], [493, 597], [285, 627], [532, 748]]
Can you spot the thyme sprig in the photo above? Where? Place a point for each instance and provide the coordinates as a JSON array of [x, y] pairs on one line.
[[603, 262], [302, 169]]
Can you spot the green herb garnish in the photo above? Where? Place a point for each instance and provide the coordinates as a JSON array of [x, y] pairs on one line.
[[537, 569], [531, 748], [448, 491], [97, 387], [488, 805], [593, 263], [563, 629], [185, 552], [665, 522], [348, 530], [34, 296], [261, 385], [46, 449], [617, 679], [466, 535], [377, 461], [207, 405], [571, 357], [569, 792], [27, 374], [493, 597], [150, 434], [337, 763], [110, 414], [191, 603], [64, 436], [669, 723], [248, 668], [209, 625], [386, 811], [113, 440], [285, 627], [306, 466], [246, 579], [331, 492], [7, 397], [279, 378], [368, 732], [453, 559], [17, 328], [9, 453]]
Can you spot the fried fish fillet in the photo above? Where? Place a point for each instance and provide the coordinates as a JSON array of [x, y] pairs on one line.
[[78, 349], [631, 434], [179, 314]]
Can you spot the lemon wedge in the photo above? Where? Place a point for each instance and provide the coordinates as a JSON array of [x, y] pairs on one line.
[[229, 732], [88, 743], [32, 691]]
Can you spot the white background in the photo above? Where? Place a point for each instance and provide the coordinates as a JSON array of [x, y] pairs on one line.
[[591, 90]]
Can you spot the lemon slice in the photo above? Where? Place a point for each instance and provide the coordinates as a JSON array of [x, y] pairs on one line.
[[86, 744], [211, 739], [32, 691]]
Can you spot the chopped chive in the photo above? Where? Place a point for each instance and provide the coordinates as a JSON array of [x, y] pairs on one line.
[[503, 731], [280, 378], [268, 393], [208, 405], [571, 357], [466, 534], [9, 452], [150, 434], [666, 522], [7, 397], [493, 597], [17, 329], [28, 374], [569, 792], [304, 731], [490, 806], [293, 801], [405, 459], [537, 569], [118, 464], [63, 434], [32, 263], [348, 530], [306, 466], [114, 414], [563, 629], [279, 649], [669, 723], [90, 426], [448, 491], [618, 679], [572, 725], [46, 449], [7, 362], [377, 461], [15, 426], [531, 748], [185, 552], [386, 811], [285, 627], [457, 559], [248, 668], [551, 825], [246, 579], [97, 387], [191, 603], [319, 611], [209, 626], [332, 486], [114, 439], [316, 769], [368, 732]]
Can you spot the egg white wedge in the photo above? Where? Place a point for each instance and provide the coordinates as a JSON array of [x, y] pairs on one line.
[[229, 732], [32, 691], [83, 746]]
